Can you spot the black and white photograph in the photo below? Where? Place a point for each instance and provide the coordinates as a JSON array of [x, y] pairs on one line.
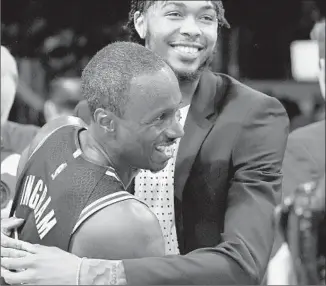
[[163, 142]]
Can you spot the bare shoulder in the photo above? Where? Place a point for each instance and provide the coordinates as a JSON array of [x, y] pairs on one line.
[[127, 229]]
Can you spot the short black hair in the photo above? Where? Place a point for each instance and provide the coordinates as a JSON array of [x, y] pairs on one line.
[[143, 5], [107, 76]]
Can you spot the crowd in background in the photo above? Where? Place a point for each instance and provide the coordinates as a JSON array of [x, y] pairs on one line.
[[46, 47]]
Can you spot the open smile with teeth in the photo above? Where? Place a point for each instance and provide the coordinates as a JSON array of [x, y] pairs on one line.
[[187, 49], [167, 150]]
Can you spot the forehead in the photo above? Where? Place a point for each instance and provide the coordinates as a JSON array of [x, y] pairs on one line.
[[183, 4], [159, 90], [158, 84]]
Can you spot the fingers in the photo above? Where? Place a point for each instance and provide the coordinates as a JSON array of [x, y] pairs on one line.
[[16, 263], [5, 231], [8, 242], [4, 271], [13, 253], [15, 278], [8, 224]]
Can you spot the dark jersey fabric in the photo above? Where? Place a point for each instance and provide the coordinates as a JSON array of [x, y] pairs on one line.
[[59, 187]]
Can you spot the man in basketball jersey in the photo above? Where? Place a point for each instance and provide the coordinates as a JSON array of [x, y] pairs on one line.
[[72, 179]]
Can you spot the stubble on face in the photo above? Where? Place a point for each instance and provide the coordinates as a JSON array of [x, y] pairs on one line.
[[182, 76], [153, 41], [193, 76]]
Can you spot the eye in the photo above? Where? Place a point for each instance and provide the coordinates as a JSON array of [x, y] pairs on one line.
[[174, 14], [160, 118], [208, 18]]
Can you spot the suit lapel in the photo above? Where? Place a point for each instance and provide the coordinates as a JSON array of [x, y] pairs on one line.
[[196, 128]]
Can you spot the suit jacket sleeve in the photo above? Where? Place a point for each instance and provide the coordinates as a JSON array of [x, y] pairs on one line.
[[299, 165], [243, 254]]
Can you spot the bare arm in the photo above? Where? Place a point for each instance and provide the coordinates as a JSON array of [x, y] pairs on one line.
[[124, 230]]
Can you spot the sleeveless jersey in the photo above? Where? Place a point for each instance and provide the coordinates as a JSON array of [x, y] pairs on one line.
[[60, 188]]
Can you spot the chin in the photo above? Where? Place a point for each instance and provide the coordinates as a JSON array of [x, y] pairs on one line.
[[187, 75], [188, 72], [157, 168]]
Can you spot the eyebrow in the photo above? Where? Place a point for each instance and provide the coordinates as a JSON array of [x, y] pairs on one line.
[[152, 115]]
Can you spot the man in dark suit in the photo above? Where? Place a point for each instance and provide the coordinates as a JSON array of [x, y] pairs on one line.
[[306, 146], [304, 162], [227, 176]]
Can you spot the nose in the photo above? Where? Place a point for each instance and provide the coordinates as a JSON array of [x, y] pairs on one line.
[[175, 131], [190, 28]]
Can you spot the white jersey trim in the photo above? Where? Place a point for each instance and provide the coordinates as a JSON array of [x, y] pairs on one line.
[[86, 209], [100, 204]]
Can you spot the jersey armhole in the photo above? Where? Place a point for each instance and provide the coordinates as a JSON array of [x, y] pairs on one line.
[[66, 123], [99, 204]]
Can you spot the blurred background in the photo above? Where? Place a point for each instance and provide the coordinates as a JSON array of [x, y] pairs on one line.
[[55, 39]]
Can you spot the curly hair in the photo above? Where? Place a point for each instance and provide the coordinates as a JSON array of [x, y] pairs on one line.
[[143, 5]]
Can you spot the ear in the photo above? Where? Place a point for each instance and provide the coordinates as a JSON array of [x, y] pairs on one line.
[[105, 119], [140, 25], [50, 110]]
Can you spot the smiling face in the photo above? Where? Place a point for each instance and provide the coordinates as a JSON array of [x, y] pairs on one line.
[[150, 124], [184, 33]]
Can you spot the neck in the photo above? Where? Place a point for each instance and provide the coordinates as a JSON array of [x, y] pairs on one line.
[[96, 152], [188, 89], [125, 173]]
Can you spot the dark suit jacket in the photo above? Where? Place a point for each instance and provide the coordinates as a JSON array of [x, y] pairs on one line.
[[227, 183], [304, 158], [304, 161]]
